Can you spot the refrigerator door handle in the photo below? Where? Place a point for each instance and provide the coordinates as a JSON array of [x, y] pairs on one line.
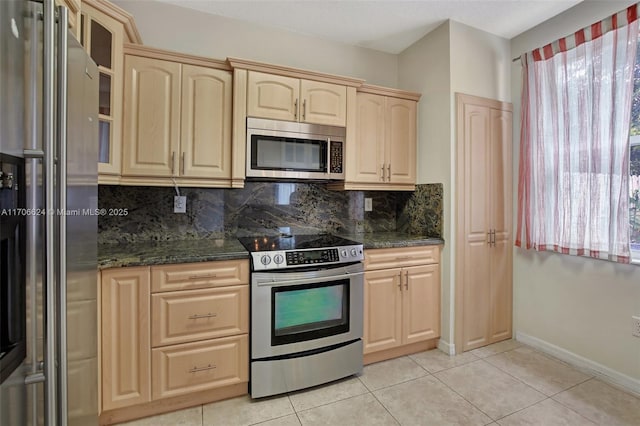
[[61, 218], [48, 144]]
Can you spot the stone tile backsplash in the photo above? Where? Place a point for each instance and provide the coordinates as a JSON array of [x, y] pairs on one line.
[[265, 207]]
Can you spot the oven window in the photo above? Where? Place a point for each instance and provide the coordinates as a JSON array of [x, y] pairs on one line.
[[307, 312], [278, 153]]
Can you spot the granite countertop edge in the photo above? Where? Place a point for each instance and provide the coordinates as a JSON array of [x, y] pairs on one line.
[[192, 251]]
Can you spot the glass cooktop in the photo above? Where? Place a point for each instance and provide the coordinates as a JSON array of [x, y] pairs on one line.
[[294, 242]]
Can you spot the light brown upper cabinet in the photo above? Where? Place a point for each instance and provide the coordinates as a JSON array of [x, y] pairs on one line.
[[104, 28], [484, 188], [381, 147], [293, 99], [177, 122]]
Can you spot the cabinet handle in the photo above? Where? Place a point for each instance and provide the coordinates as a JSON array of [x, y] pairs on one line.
[[295, 109], [382, 177], [406, 280], [196, 369], [173, 162], [489, 238], [400, 282], [197, 277], [182, 161], [389, 172], [198, 316], [304, 109], [403, 258], [493, 239]]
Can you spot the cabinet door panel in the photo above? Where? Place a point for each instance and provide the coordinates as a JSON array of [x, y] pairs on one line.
[[206, 122], [273, 96], [401, 140], [151, 117], [185, 316], [194, 367], [421, 303], [323, 103], [400, 257], [382, 310], [367, 163], [126, 378], [188, 276]]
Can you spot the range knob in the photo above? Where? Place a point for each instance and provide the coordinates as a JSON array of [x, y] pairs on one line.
[[278, 259], [265, 259], [343, 253], [354, 252]]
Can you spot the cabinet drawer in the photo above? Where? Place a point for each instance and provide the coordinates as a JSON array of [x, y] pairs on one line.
[[187, 316], [199, 275], [401, 257], [195, 367]]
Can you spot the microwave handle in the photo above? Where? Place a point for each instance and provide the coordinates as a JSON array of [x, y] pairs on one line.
[[328, 156]]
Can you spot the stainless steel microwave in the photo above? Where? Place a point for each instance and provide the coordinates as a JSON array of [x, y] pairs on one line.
[[290, 150]]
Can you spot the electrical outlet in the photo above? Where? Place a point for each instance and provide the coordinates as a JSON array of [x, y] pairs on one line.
[[368, 204], [636, 326], [179, 204]]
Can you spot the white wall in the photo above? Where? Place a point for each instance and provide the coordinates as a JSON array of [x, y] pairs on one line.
[[424, 67], [171, 27], [580, 305]]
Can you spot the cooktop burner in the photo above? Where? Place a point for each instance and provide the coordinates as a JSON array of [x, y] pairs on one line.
[[290, 251]]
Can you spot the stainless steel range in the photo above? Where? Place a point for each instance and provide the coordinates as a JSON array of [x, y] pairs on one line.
[[306, 311]]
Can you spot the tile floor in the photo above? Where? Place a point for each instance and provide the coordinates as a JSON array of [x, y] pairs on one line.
[[505, 384]]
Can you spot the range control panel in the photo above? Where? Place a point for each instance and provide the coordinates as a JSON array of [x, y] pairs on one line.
[[282, 259]]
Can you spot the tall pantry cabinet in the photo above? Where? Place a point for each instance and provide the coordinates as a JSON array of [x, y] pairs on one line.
[[484, 218]]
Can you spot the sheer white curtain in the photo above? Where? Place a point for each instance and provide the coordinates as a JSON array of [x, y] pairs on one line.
[[573, 191]]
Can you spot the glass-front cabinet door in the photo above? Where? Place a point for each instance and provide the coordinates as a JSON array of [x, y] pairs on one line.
[[102, 37], [104, 28]]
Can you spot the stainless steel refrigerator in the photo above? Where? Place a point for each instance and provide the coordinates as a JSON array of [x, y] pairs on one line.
[[49, 124]]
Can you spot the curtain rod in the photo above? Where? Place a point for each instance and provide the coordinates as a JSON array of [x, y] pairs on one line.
[[516, 59]]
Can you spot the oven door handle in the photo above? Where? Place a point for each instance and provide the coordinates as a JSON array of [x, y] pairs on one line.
[[274, 281]]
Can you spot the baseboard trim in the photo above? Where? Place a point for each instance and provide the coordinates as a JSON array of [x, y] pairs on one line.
[[598, 370], [446, 347]]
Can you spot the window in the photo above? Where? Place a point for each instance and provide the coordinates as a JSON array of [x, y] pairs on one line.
[[575, 194], [634, 168]]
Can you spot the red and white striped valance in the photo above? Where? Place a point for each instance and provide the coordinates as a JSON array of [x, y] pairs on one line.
[[592, 32]]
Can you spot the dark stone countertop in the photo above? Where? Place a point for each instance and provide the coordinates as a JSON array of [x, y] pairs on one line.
[[376, 240], [164, 252], [204, 250]]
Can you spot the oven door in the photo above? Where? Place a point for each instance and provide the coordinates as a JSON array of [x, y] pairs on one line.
[[293, 312]]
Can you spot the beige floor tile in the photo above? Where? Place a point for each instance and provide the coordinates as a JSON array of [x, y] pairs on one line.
[[427, 401], [496, 348], [290, 420], [435, 360], [357, 411], [490, 389], [325, 394], [602, 403], [245, 411], [187, 417], [388, 373], [539, 371], [547, 413]]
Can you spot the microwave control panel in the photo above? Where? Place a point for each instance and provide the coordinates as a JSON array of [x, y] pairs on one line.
[[335, 157]]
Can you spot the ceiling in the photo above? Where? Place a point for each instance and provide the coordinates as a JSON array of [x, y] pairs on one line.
[[389, 26]]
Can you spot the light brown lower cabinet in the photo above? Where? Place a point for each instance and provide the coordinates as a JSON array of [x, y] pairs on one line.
[[166, 350], [401, 303]]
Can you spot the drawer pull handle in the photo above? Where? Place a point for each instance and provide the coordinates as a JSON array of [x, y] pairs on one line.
[[403, 258], [197, 277], [197, 369], [209, 315]]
